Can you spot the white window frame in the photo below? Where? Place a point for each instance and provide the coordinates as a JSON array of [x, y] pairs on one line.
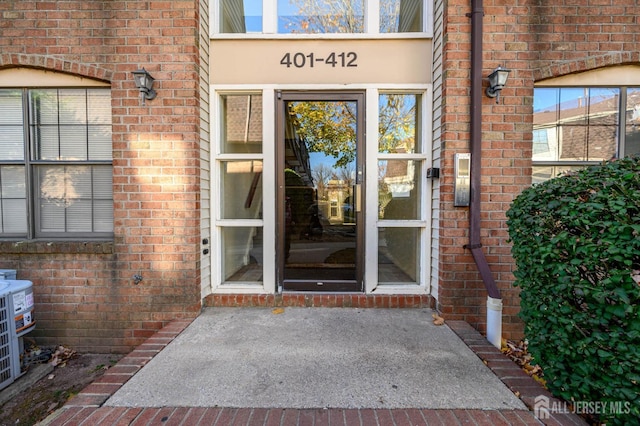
[[267, 223], [270, 23], [268, 156], [373, 224]]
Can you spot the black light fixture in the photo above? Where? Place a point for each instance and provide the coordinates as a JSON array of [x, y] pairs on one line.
[[497, 81], [144, 82]]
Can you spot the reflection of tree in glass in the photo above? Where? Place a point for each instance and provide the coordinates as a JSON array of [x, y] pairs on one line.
[[326, 16], [397, 123], [75, 198], [327, 127], [347, 16], [389, 16], [347, 174], [63, 186], [330, 127], [384, 194], [321, 174]]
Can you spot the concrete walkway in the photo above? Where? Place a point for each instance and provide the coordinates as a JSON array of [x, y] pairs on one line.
[[311, 366]]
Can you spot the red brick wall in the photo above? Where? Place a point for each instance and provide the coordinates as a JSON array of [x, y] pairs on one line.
[[536, 40], [84, 292]]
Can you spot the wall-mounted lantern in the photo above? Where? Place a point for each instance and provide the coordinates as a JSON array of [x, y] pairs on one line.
[[497, 81], [144, 82]]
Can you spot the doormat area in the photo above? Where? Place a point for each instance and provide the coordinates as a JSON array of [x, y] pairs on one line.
[[319, 300]]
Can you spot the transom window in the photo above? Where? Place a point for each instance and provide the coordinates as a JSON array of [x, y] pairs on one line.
[[55, 163], [578, 126], [320, 16]]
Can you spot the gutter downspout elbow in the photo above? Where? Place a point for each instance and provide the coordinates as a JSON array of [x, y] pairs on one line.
[[494, 300]]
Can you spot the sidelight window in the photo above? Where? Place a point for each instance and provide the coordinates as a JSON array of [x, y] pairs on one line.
[[401, 215], [240, 182]]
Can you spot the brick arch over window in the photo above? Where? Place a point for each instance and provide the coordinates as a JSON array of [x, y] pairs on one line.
[[12, 60], [586, 64]]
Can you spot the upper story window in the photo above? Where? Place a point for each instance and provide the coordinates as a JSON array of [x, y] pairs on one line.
[[578, 126], [55, 163], [321, 16]]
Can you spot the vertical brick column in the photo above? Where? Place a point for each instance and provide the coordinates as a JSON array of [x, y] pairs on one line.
[[156, 162], [85, 293], [536, 41], [506, 158]]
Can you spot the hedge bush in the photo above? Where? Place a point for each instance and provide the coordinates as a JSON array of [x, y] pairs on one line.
[[576, 244]]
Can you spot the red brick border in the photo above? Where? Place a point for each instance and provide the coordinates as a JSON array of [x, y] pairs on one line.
[[325, 300], [106, 385], [290, 417], [510, 374]]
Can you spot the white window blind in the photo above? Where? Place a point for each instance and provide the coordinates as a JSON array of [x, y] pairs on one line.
[[66, 153]]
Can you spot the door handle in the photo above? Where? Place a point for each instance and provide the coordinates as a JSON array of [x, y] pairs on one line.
[[358, 194]]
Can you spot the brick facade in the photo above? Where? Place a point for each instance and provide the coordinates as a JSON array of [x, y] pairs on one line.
[[537, 40], [85, 294]]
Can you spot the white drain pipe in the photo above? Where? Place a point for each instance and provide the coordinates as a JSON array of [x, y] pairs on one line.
[[494, 321]]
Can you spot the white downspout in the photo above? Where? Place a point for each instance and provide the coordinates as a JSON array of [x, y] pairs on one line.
[[494, 321]]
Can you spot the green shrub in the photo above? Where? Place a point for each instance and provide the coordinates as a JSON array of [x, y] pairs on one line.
[[576, 244]]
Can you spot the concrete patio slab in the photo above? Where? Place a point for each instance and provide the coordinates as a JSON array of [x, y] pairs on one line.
[[316, 358]]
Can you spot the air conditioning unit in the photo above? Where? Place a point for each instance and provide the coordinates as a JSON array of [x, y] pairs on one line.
[[7, 355], [7, 274], [16, 320]]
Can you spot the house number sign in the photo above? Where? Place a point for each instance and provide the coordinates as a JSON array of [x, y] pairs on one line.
[[310, 60]]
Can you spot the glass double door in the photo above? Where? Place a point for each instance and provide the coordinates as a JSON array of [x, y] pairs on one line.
[[320, 197]]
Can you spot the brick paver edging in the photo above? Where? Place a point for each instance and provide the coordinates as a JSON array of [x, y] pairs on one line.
[[86, 407], [215, 416], [96, 393], [521, 384]]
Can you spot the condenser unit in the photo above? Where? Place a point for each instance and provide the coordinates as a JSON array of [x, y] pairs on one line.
[[22, 306], [7, 355], [16, 320], [7, 274]]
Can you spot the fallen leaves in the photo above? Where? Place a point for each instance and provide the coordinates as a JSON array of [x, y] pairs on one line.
[[518, 353], [61, 356], [437, 319]]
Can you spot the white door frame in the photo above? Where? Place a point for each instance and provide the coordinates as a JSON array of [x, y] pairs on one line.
[[268, 157]]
